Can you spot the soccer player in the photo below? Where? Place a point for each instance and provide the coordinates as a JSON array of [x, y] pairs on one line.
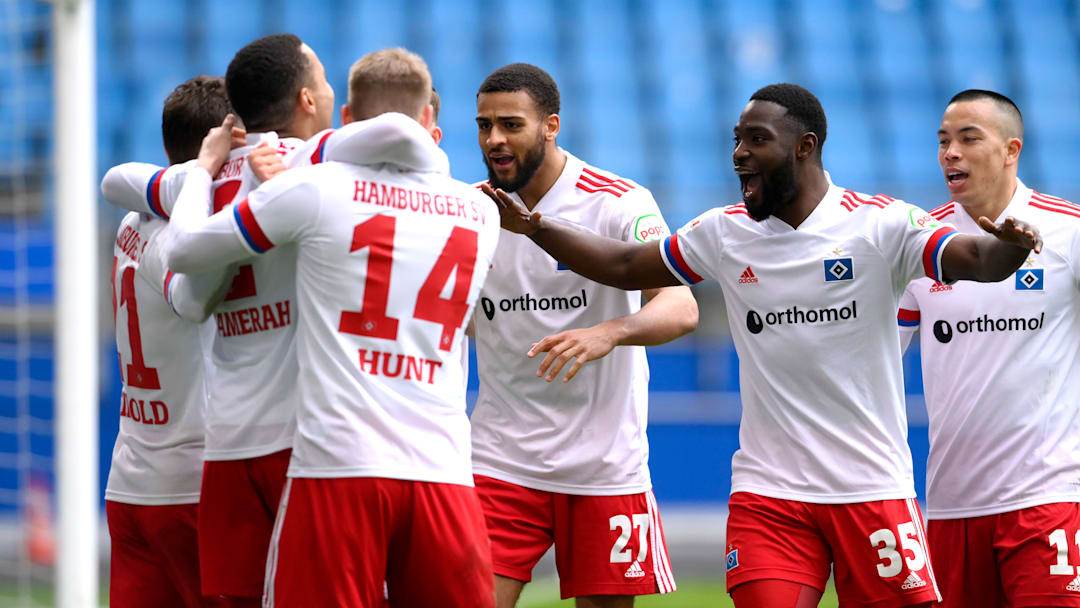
[[1001, 371], [566, 462], [152, 496], [823, 473], [391, 254], [279, 89]]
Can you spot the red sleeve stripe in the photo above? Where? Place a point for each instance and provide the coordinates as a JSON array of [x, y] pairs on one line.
[[1052, 199], [620, 183], [674, 255], [318, 155], [608, 189], [153, 195], [250, 228], [946, 208], [1055, 204], [932, 252], [866, 201], [168, 279], [737, 211], [907, 318]]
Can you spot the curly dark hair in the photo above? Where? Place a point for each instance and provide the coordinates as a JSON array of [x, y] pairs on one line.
[[263, 80], [525, 77], [193, 108], [802, 107]]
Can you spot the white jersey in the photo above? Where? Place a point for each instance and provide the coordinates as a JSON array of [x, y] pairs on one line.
[[812, 312], [253, 391], [389, 265], [586, 436], [158, 455], [1001, 371]]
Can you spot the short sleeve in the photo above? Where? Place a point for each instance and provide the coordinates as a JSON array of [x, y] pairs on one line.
[[145, 188], [692, 253], [913, 241], [908, 315], [637, 218], [280, 211]]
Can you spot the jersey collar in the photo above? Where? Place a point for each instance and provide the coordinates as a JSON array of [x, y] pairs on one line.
[[1017, 203], [563, 187]]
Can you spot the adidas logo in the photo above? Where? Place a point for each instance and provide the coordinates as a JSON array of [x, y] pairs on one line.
[[939, 287], [747, 277], [1074, 585], [913, 582], [634, 571]]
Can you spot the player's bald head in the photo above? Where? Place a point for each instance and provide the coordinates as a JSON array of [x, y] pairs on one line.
[[1004, 113]]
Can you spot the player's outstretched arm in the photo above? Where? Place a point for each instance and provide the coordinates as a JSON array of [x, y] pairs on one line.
[[669, 312], [129, 186], [990, 258], [630, 266]]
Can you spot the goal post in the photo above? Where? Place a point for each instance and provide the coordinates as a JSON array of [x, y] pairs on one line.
[[76, 303]]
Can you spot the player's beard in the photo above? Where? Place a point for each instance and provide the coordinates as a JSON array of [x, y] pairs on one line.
[[778, 191], [534, 157]]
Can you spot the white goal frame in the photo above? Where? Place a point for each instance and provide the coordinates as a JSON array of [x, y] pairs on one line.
[[76, 302]]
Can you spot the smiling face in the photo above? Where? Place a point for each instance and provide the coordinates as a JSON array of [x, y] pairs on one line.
[[978, 150], [764, 156], [513, 137]]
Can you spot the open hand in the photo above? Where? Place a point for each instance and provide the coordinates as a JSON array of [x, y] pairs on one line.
[[1012, 230], [265, 162], [512, 214], [582, 345], [216, 146]]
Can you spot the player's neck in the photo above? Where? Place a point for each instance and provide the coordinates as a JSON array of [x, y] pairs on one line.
[[993, 204], [813, 186], [544, 178]]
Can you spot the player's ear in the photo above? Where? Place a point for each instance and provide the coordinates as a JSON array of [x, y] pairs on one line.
[[306, 100], [806, 146], [346, 114], [436, 134], [1013, 146], [551, 127], [426, 117]]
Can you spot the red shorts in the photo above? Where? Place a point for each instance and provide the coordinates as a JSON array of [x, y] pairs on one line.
[[604, 545], [878, 548], [350, 541], [155, 555], [236, 517], [1029, 557]]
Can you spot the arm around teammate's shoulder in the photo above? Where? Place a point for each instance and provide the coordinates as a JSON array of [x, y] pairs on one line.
[[629, 266], [993, 257]]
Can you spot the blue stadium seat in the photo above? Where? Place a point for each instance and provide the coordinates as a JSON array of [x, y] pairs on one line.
[[972, 47], [755, 47], [529, 37]]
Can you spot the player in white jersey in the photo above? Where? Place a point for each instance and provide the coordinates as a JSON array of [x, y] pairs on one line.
[[1001, 372], [152, 493], [566, 462], [391, 253], [278, 86], [823, 473]]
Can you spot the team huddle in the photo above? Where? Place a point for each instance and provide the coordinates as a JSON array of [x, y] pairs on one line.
[[292, 306]]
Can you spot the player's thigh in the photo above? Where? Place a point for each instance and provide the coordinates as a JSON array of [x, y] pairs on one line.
[[879, 551], [772, 593], [330, 542], [963, 557], [774, 539], [234, 530], [443, 543], [610, 545], [520, 524], [173, 534], [268, 474], [138, 576], [1038, 551]]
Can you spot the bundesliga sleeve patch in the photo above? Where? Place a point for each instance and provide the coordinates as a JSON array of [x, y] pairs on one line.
[[649, 228]]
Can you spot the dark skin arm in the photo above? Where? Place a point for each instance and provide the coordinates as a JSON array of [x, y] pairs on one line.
[[629, 266], [989, 258], [992, 257]]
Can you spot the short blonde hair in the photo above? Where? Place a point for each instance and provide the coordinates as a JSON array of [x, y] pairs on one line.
[[390, 80]]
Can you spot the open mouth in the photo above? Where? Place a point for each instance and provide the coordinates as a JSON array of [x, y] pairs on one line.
[[751, 184], [955, 179], [501, 161]]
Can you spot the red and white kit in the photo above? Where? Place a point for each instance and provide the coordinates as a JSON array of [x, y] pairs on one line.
[[153, 488], [570, 441], [390, 260], [1001, 373], [252, 399], [823, 418]]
